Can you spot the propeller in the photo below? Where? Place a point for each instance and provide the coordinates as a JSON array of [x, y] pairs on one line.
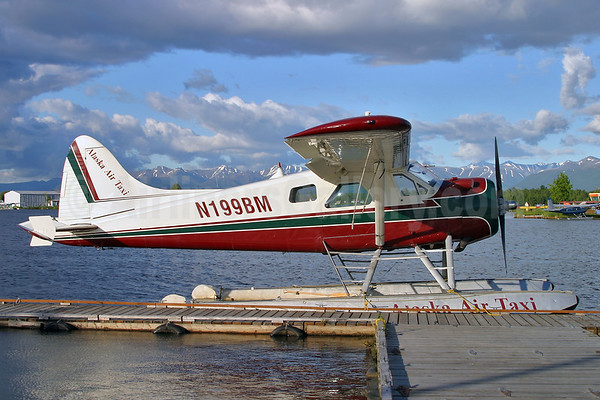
[[501, 203]]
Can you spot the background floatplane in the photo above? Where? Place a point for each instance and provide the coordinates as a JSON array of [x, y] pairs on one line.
[[362, 202]]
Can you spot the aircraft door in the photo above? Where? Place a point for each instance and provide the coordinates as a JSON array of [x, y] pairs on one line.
[[348, 222]]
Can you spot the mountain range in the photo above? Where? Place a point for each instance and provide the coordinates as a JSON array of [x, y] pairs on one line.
[[212, 178], [583, 174]]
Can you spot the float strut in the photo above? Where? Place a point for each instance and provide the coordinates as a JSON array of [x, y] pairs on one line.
[[432, 270], [449, 262], [371, 270]]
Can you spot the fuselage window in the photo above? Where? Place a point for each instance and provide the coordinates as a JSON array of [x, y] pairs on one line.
[[346, 195], [303, 193]]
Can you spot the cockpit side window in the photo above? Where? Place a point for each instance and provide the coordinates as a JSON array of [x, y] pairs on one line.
[[408, 187], [405, 185], [421, 189], [346, 195], [302, 194]]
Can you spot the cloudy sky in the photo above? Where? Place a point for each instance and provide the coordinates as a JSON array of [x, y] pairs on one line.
[[197, 84]]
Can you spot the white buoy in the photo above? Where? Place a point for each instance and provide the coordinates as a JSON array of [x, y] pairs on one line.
[[204, 292], [173, 298]]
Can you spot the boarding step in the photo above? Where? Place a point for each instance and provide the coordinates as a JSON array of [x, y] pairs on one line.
[[356, 269]]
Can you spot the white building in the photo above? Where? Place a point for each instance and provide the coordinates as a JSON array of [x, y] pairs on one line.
[[27, 198]]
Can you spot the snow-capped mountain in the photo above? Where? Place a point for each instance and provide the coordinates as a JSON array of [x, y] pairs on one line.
[[212, 178], [583, 174]]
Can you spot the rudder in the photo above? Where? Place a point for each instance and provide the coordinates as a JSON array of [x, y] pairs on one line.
[[91, 174]]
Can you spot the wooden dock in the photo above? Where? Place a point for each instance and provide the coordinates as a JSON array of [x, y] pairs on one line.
[[199, 318], [483, 356], [427, 355]]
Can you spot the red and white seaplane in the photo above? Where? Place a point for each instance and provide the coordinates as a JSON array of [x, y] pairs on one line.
[[361, 202]]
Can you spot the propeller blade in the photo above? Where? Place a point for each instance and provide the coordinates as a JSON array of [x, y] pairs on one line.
[[503, 236], [498, 174], [501, 205]]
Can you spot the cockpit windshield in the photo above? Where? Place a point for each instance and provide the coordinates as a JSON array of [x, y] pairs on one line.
[[423, 173]]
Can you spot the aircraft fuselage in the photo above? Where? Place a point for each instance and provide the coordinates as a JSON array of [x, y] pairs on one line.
[[272, 215]]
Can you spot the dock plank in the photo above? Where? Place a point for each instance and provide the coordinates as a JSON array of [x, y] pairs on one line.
[[392, 318], [521, 320], [452, 320], [412, 318]]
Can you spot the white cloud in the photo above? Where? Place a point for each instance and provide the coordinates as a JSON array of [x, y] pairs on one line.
[[171, 139], [544, 124], [594, 125], [475, 133], [74, 117], [471, 151], [261, 124], [578, 71], [249, 135], [590, 140]]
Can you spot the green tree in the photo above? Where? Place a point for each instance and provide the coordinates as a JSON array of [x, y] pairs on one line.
[[176, 186], [561, 188], [529, 196], [580, 195]]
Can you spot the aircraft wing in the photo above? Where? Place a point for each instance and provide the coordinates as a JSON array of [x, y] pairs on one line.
[[352, 145]]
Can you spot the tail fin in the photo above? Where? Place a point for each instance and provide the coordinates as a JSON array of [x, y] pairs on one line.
[[91, 174], [550, 205]]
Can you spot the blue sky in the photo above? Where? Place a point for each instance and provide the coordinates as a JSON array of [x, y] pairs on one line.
[[200, 84]]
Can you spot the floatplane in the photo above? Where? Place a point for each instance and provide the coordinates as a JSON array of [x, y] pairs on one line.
[[361, 202], [577, 210]]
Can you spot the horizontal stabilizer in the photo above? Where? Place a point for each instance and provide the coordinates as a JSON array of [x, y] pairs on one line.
[[43, 230]]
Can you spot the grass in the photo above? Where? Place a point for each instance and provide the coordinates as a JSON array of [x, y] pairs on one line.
[[543, 213]]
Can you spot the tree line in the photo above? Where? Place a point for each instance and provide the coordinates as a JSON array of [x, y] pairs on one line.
[[561, 189]]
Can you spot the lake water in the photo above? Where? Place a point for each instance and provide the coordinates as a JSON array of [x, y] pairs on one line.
[[141, 365]]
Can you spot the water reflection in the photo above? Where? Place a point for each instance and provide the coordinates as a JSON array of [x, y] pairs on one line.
[[85, 364]]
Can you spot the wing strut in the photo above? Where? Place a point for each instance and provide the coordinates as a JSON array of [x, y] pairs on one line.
[[377, 191], [362, 176], [379, 201]]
